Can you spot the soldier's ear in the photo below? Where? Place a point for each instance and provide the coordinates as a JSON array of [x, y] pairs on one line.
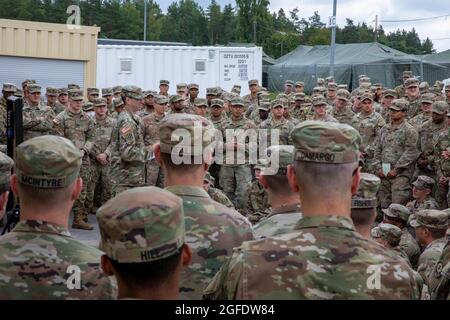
[[77, 187], [186, 255], [263, 181], [292, 178], [355, 180], [13, 181]]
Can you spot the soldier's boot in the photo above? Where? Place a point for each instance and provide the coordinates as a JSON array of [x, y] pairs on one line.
[[79, 223]]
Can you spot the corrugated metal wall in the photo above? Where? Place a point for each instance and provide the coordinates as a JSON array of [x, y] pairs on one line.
[[51, 41], [224, 66]]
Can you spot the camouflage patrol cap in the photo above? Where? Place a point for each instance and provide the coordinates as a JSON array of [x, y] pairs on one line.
[[141, 225], [212, 91], [193, 86], [319, 89], [181, 87], [209, 178], [18, 93], [366, 196], [289, 83], [160, 99], [265, 106], [378, 85], [389, 93], [332, 86], [388, 232], [99, 102], [326, 142], [47, 162], [117, 89], [237, 101], [6, 164], [252, 82], [424, 85], [72, 86], [300, 84], [362, 76], [34, 88], [175, 127], [398, 211], [438, 84], [201, 102], [342, 86], [76, 94], [132, 92], [278, 156], [433, 219], [407, 73], [365, 80], [106, 92], [176, 98], [299, 96], [320, 81], [319, 100], [93, 91], [411, 82], [329, 79], [88, 106], [51, 91], [399, 105], [440, 107], [343, 94], [427, 98], [148, 93], [367, 96], [217, 102], [9, 87], [27, 82], [276, 103], [63, 91], [118, 102], [424, 182], [164, 82]]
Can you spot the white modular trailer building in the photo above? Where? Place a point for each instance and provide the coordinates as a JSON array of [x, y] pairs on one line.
[[144, 66]]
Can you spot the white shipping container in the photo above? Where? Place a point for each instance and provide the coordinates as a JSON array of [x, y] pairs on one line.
[[144, 66]]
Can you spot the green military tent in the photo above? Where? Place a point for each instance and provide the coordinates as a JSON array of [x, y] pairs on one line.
[[381, 63]]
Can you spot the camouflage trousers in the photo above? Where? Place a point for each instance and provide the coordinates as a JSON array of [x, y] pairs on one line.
[[154, 174], [79, 207], [100, 187], [441, 195], [397, 190], [125, 176], [234, 182]]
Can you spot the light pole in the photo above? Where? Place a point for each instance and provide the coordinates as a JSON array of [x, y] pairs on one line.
[[333, 38], [145, 20]]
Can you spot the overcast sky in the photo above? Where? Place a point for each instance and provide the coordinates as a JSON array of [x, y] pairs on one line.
[[366, 10]]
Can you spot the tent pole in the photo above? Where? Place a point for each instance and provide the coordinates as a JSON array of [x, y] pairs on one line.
[[333, 39]]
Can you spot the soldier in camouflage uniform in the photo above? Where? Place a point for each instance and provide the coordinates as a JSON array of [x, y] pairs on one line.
[[118, 107], [201, 107], [439, 279], [117, 92], [78, 127], [447, 93], [386, 101], [413, 97], [277, 124], [423, 200], [251, 99], [428, 134], [318, 259], [92, 94], [368, 123], [7, 91], [182, 90], [37, 117], [153, 172], [108, 94], [431, 226], [235, 172], [127, 171], [364, 204], [286, 208], [299, 87], [256, 199], [149, 100], [100, 161], [193, 94], [51, 95], [342, 108], [320, 110], [6, 164], [400, 89], [395, 154], [388, 235], [398, 215], [203, 216], [442, 165], [298, 110], [216, 194], [288, 86], [63, 100], [425, 114], [38, 256], [152, 239], [164, 88], [177, 105], [331, 93], [261, 114]]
